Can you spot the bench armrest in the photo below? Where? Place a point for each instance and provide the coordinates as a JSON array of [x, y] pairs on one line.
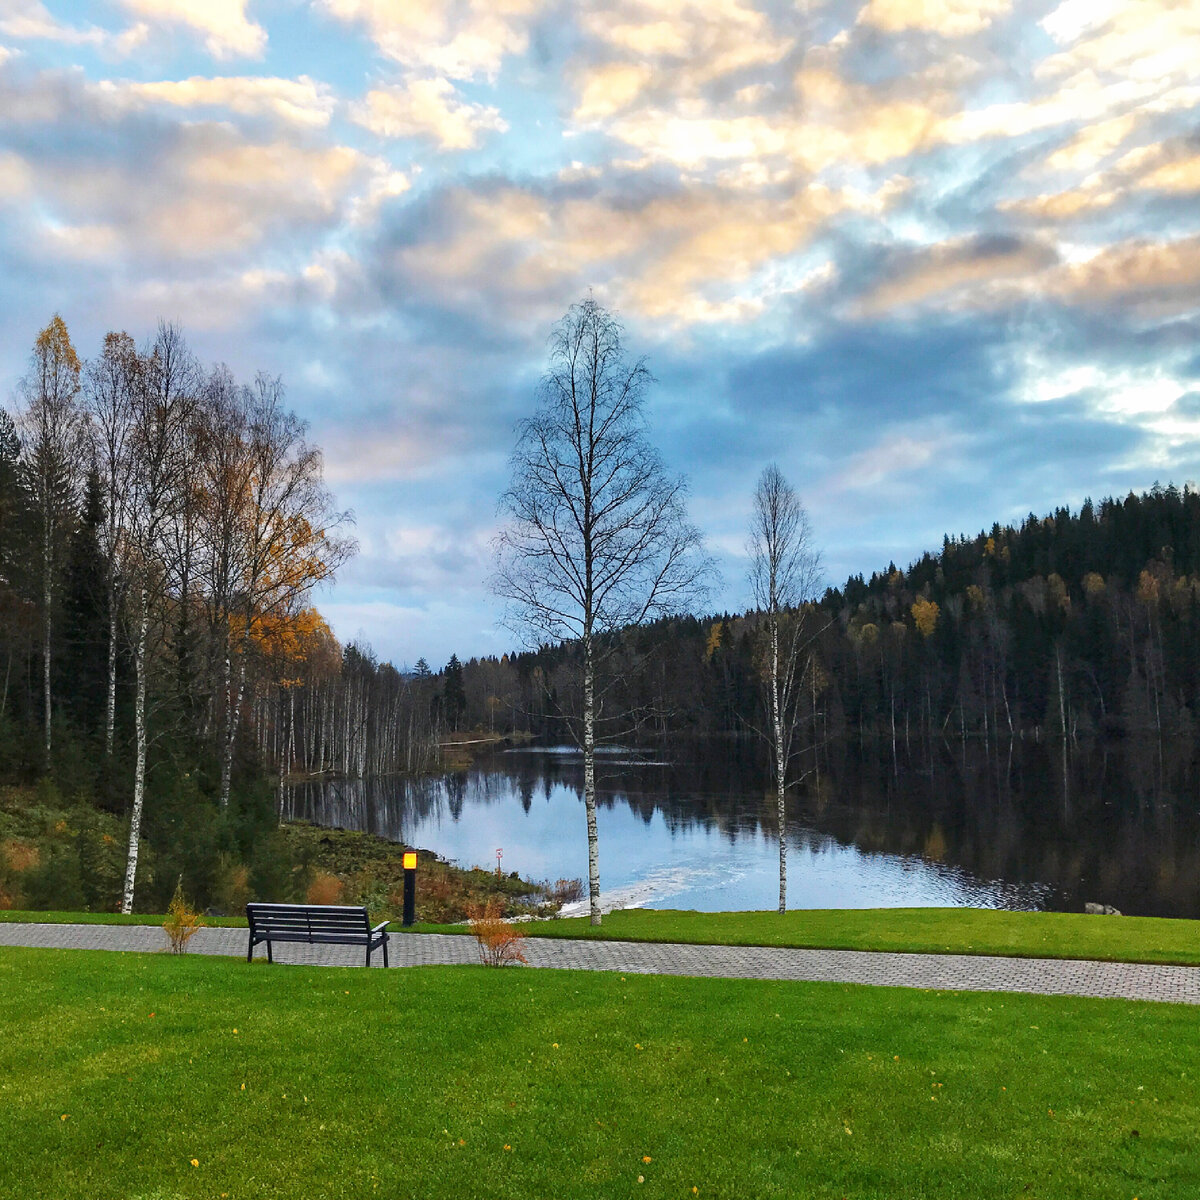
[[380, 927]]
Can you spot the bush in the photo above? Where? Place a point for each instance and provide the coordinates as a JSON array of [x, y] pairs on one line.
[[499, 942], [16, 857], [565, 891], [325, 889], [56, 881], [182, 922], [233, 886], [102, 846]]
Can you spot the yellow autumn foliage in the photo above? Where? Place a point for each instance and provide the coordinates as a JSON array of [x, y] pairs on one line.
[[925, 614]]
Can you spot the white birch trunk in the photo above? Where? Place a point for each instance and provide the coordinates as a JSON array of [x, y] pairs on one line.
[[231, 726], [46, 637], [780, 762], [589, 778], [139, 767], [110, 704]]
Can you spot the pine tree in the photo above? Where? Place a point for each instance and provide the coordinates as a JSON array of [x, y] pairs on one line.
[[454, 695], [82, 668]]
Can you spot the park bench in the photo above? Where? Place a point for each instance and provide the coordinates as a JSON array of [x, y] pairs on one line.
[[337, 924]]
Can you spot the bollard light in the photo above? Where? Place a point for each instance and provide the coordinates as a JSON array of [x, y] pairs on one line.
[[410, 886]]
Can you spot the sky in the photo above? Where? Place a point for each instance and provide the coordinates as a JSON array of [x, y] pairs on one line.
[[938, 259]]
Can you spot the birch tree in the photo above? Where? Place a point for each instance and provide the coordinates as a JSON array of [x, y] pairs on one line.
[[597, 537], [53, 422], [784, 573], [110, 384], [286, 536], [163, 405]]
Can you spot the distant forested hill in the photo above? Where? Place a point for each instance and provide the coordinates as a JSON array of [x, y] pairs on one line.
[[1081, 622]]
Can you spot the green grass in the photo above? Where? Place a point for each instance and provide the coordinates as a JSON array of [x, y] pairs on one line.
[[925, 930], [465, 1082], [37, 917]]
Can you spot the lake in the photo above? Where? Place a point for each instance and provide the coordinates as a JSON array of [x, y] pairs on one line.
[[689, 825]]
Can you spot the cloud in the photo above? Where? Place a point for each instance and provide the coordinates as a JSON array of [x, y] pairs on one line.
[[1171, 167], [100, 172], [302, 101], [679, 255], [890, 458], [1153, 41], [227, 31], [1092, 143], [460, 39], [942, 271], [1158, 277], [676, 46], [951, 18], [427, 108], [30, 20]]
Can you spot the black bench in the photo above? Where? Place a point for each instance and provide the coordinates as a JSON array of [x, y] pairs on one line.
[[331, 923]]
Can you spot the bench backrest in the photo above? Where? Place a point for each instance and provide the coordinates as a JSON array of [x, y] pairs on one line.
[[307, 918]]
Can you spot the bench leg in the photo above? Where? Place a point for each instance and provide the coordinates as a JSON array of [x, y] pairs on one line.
[[250, 950], [385, 941], [270, 956], [368, 952]]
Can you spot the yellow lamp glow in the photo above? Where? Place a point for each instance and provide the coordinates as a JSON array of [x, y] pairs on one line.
[[410, 860]]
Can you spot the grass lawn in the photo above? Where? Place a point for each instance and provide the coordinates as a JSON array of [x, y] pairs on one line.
[[38, 917], [157, 1077]]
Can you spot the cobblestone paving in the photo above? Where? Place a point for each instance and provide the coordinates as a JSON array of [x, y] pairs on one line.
[[1064, 977]]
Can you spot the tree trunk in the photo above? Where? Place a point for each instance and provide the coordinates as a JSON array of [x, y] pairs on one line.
[[4, 695], [589, 777], [780, 762], [46, 640], [139, 767], [110, 705], [231, 726]]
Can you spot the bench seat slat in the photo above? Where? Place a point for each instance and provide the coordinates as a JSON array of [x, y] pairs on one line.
[[341, 939]]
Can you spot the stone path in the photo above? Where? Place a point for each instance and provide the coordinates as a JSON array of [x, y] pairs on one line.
[[1063, 977]]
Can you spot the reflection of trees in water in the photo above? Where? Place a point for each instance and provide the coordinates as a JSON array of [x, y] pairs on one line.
[[1129, 835]]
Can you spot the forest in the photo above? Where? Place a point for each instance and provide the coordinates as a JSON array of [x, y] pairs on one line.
[[163, 526], [1069, 626]]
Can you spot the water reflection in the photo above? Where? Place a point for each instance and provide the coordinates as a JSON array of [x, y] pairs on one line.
[[941, 825]]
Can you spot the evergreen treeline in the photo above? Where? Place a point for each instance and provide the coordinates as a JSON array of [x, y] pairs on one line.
[[1073, 624]]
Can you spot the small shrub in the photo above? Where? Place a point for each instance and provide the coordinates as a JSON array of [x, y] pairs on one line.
[[182, 922], [566, 891], [499, 942], [56, 881], [369, 890], [438, 888], [233, 886], [325, 889], [19, 856]]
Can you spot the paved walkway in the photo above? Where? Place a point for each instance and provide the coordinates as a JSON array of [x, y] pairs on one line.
[[953, 972]]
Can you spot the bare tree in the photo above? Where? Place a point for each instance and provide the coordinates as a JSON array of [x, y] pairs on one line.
[[784, 574], [598, 538], [53, 426], [110, 383]]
